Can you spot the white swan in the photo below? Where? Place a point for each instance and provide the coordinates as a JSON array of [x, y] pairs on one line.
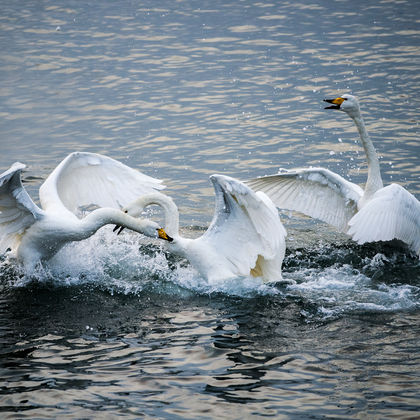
[[80, 180], [245, 237], [376, 213]]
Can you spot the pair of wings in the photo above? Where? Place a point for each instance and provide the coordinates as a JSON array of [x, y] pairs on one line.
[[391, 213], [80, 181], [246, 227]]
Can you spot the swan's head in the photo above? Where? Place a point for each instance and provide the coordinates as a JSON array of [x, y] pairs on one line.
[[149, 228], [347, 103], [153, 230]]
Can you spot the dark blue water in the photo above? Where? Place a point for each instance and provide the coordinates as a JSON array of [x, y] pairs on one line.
[[180, 90]]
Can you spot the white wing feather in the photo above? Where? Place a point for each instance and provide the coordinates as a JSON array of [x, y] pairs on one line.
[[316, 192], [17, 210], [85, 179], [392, 213], [246, 230]]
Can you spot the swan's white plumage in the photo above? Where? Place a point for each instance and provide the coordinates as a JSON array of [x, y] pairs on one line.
[[316, 192], [392, 213], [245, 237], [33, 233], [375, 213], [245, 227], [84, 179]]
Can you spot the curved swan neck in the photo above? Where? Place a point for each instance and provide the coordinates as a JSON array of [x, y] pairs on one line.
[[105, 216], [374, 180], [169, 208]]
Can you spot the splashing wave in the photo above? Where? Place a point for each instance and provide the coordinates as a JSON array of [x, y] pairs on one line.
[[328, 281]]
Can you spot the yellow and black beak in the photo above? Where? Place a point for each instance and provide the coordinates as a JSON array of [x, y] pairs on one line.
[[163, 235], [336, 103]]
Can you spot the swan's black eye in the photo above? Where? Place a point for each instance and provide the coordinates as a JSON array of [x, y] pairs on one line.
[[125, 211]]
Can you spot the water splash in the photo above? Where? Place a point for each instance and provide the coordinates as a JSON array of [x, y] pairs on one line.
[[326, 280], [356, 280], [127, 264]]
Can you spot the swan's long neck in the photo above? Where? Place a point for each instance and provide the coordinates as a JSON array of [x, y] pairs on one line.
[[374, 180], [179, 245], [105, 216], [169, 208]]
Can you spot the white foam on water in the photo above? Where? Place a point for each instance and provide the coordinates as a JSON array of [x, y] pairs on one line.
[[342, 289], [128, 264]]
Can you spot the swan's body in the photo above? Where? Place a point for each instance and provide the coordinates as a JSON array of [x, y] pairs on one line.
[[375, 213], [246, 236], [82, 179]]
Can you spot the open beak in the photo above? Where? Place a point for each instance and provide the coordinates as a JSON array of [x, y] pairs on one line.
[[336, 103], [163, 235], [119, 228]]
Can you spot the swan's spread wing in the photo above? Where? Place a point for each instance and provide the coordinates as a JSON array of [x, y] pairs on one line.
[[89, 179], [392, 213], [316, 192], [17, 210], [246, 227]]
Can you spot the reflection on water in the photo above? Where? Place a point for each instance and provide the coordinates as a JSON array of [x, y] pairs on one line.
[[182, 90], [174, 357]]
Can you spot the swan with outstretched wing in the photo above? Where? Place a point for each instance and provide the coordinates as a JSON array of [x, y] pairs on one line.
[[245, 237], [375, 213], [33, 233]]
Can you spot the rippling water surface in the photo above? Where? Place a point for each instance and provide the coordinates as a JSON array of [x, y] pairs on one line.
[[180, 90]]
